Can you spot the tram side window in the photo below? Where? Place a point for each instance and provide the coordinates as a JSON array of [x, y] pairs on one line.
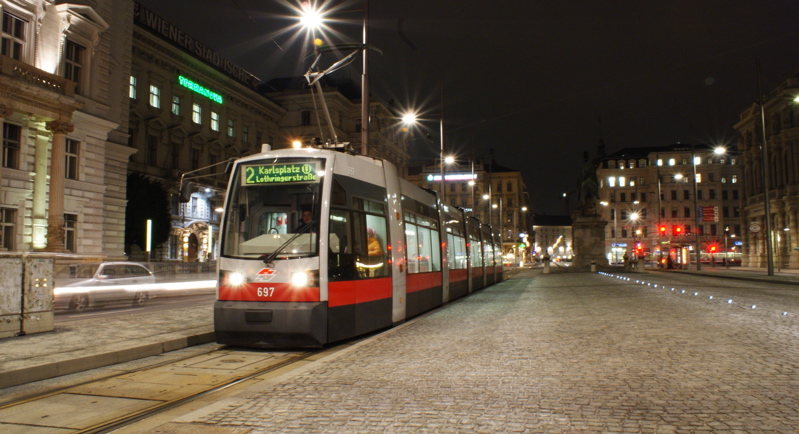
[[371, 258], [475, 248], [357, 243], [421, 237], [456, 252]]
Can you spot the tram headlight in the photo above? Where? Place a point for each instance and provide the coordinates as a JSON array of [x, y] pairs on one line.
[[302, 278], [233, 278]]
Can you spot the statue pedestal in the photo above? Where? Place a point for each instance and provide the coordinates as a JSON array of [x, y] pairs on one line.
[[588, 241]]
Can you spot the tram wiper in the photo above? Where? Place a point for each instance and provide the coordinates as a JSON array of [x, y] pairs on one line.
[[267, 258]]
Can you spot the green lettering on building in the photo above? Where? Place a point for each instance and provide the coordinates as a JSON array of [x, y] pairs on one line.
[[208, 93], [280, 173]]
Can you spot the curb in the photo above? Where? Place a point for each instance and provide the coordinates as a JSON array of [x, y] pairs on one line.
[[85, 363], [744, 278]]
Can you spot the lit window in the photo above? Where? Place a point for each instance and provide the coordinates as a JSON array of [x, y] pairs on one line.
[[132, 87], [734, 179], [632, 183], [698, 178], [196, 114], [70, 227], [672, 162], [13, 36], [175, 105], [215, 121], [73, 63], [697, 160], [12, 136], [660, 162], [8, 219], [723, 179], [732, 161], [722, 160], [622, 181], [230, 129], [71, 161], [155, 96], [611, 182]]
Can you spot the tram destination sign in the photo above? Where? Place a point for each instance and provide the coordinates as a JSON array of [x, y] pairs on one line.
[[281, 173]]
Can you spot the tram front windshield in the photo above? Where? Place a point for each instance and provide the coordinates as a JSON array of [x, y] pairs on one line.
[[273, 208]]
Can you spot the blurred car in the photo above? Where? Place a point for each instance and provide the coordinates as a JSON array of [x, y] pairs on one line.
[[80, 286]]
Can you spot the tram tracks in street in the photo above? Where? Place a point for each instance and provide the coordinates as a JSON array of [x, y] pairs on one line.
[[115, 401]]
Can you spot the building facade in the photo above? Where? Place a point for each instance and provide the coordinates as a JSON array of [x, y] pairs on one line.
[[552, 235], [778, 177], [63, 77], [191, 111], [647, 196]]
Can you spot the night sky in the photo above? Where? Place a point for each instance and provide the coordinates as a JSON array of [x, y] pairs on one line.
[[538, 81]]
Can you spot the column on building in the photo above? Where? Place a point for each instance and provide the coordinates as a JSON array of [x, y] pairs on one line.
[[39, 217], [55, 219]]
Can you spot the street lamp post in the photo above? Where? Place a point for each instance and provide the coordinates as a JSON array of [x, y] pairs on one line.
[[696, 211], [411, 119], [615, 231], [726, 251]]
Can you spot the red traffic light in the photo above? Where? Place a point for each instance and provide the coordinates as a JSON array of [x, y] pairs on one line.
[[712, 249], [662, 229]]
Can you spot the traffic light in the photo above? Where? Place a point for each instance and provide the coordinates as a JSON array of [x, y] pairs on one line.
[[676, 230], [662, 229], [639, 248], [712, 249]]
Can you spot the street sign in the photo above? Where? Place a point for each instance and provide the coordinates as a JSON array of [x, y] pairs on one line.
[[754, 227], [709, 213]]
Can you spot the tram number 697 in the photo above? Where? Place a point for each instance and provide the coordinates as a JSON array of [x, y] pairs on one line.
[[266, 291]]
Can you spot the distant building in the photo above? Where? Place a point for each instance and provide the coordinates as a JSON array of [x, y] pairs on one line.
[[647, 196], [510, 200], [552, 235], [782, 162]]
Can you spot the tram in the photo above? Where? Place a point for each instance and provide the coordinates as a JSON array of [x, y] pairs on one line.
[[319, 246]]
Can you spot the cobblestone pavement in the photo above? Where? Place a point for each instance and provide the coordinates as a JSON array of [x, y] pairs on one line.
[[551, 353]]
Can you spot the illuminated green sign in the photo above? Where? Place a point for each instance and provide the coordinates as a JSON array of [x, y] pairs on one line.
[[280, 173], [208, 93]]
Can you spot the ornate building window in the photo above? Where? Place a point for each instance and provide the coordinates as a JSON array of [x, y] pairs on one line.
[[72, 159], [13, 36], [12, 136], [155, 96], [70, 231], [132, 87], [8, 228], [74, 61], [196, 114], [215, 121], [175, 105]]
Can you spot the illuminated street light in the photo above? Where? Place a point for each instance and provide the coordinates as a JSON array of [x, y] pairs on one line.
[[311, 18], [411, 119]]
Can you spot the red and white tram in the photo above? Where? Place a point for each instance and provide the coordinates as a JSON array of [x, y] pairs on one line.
[[319, 246]]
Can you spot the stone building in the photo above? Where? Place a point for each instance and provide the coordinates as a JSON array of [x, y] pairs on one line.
[[647, 197], [63, 84], [782, 182]]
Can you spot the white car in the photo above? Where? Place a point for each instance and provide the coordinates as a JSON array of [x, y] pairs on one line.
[[84, 285]]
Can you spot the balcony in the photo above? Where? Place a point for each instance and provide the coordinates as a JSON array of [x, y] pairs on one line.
[[32, 75]]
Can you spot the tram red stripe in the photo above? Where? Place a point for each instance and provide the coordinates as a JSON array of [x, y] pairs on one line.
[[421, 281], [458, 275], [357, 291], [477, 272], [269, 292]]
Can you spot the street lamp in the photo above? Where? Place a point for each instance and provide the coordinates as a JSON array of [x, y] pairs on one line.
[[615, 230], [411, 119]]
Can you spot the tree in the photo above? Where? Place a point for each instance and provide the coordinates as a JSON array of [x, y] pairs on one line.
[[147, 199]]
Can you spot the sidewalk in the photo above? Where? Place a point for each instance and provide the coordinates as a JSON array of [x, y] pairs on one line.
[[104, 340], [783, 276]]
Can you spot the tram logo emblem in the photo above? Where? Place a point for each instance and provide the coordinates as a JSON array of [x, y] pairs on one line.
[[265, 275]]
